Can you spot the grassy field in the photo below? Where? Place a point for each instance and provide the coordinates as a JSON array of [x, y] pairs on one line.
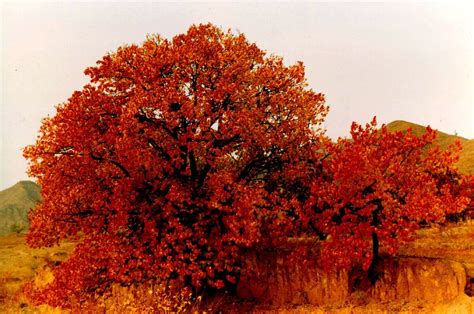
[[18, 264]]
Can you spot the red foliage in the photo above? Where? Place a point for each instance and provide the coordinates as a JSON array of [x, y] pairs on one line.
[[377, 188], [180, 153], [176, 155]]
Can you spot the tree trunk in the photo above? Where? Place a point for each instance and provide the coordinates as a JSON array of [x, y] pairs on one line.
[[372, 272]]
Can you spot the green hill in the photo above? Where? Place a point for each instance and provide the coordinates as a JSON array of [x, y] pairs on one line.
[[15, 202], [466, 158]]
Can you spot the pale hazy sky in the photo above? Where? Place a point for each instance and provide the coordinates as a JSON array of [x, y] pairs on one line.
[[399, 60]]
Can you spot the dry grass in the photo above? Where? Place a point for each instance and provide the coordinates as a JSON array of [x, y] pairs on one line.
[[466, 159], [453, 242], [18, 264]]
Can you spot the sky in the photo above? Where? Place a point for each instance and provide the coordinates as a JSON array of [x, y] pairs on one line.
[[405, 60]]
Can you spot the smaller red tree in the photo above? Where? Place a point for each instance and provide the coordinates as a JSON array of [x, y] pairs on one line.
[[376, 189]]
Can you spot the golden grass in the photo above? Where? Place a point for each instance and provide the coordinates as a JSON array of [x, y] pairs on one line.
[[453, 241], [466, 158], [19, 264]]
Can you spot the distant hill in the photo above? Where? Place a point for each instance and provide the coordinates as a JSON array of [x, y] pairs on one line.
[[15, 202], [466, 158]]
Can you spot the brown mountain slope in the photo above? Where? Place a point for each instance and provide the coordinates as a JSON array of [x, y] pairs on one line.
[[15, 202], [466, 158]]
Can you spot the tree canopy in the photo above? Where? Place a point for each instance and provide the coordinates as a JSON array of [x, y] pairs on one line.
[[176, 154]]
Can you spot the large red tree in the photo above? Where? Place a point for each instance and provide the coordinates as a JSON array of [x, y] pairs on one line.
[[376, 189], [177, 154]]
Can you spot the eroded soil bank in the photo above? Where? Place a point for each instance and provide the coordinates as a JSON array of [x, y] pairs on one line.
[[434, 274]]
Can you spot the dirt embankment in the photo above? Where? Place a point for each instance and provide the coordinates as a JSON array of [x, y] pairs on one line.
[[430, 275]]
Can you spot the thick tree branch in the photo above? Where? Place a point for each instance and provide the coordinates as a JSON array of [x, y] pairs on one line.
[[203, 174], [160, 149], [192, 165], [114, 162], [142, 117]]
